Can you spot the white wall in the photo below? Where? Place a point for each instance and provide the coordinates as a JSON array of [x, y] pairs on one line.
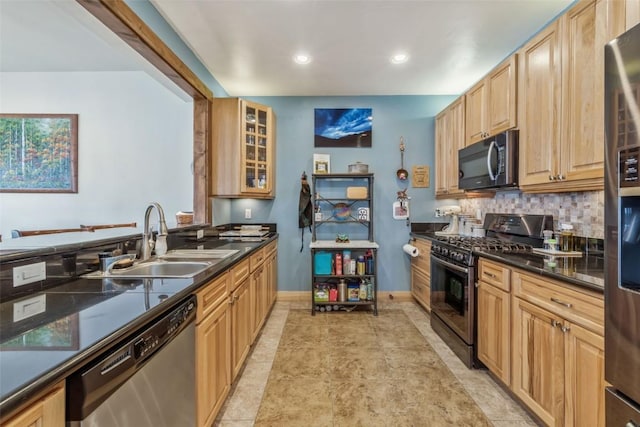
[[135, 145]]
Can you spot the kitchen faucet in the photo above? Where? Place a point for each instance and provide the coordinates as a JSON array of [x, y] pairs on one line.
[[147, 236]]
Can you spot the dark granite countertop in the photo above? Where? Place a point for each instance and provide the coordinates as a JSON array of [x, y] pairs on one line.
[[79, 319], [586, 271]]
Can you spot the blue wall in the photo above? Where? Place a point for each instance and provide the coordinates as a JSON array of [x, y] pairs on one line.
[[393, 116]]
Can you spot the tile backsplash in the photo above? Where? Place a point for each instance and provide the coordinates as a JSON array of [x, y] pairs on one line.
[[585, 210]]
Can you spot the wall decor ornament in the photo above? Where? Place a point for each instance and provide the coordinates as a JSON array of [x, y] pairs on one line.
[[39, 153], [343, 127]]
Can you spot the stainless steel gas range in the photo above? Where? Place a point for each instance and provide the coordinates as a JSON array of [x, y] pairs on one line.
[[453, 275]]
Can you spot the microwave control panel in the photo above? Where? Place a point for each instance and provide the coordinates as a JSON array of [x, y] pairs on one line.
[[628, 175]]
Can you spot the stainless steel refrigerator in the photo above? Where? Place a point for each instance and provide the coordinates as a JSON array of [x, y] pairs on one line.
[[622, 230]]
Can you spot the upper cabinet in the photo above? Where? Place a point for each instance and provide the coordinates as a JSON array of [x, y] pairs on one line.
[[449, 138], [242, 150], [631, 13], [561, 94], [539, 106], [491, 103]]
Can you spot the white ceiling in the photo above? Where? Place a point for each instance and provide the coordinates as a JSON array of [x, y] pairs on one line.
[[62, 36], [248, 45]]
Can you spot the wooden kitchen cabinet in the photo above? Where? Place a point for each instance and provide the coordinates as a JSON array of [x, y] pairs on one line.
[[213, 349], [421, 273], [48, 411], [241, 326], [272, 273], [631, 13], [449, 138], [538, 365], [259, 292], [494, 318], [539, 107], [560, 99], [558, 350], [242, 149], [491, 103]]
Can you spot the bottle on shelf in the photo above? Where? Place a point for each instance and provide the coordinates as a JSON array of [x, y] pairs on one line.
[[360, 265], [369, 290], [342, 290], [338, 257], [363, 291], [346, 262], [368, 257]]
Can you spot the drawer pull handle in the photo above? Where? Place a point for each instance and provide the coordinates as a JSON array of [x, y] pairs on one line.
[[566, 304], [493, 276]]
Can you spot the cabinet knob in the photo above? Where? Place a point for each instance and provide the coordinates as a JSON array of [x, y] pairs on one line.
[[551, 177], [561, 177], [555, 323], [565, 329]]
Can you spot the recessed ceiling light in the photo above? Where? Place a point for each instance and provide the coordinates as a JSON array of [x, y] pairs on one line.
[[399, 58], [301, 58]]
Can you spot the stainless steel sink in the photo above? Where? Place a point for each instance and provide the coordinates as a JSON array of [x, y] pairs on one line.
[[199, 254], [156, 269]]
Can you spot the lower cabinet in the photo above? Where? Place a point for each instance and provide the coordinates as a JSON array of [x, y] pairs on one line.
[[213, 336], [241, 317], [494, 318], [272, 274], [421, 273], [558, 351], [49, 411], [538, 366], [259, 302]]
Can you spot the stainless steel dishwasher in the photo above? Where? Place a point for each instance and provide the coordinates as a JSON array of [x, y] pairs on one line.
[[148, 380]]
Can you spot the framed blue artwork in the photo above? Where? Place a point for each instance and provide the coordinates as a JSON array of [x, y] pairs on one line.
[[343, 127]]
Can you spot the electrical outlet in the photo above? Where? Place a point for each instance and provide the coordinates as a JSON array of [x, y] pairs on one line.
[[29, 307], [30, 273], [199, 234], [247, 213]]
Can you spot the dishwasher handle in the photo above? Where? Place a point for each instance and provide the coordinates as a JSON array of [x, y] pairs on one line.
[[93, 384]]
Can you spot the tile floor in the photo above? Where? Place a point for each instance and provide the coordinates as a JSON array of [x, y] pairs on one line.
[[243, 403]]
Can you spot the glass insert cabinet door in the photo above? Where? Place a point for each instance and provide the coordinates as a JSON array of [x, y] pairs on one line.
[[257, 137]]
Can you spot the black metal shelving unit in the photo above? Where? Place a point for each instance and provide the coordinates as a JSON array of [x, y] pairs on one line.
[[343, 215]]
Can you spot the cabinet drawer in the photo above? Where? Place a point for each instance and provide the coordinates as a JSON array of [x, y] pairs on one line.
[[256, 259], [581, 306], [238, 273], [270, 248], [211, 295], [495, 274], [422, 261]]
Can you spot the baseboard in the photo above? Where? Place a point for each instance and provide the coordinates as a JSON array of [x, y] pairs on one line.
[[397, 296], [383, 296], [289, 296]]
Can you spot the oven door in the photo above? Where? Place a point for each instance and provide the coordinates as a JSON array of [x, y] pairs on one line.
[[452, 297]]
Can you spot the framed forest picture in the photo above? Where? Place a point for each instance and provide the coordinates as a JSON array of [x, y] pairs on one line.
[[39, 153]]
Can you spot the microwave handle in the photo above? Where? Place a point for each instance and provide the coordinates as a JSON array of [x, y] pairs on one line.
[[491, 147]]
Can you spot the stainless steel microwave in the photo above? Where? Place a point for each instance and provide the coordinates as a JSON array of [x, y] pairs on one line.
[[490, 163]]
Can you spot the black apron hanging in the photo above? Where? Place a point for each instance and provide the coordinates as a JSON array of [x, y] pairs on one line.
[[305, 208]]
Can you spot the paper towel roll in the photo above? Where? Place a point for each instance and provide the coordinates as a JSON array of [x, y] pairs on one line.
[[411, 250]]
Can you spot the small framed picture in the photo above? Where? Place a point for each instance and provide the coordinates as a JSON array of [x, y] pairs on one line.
[[321, 163]]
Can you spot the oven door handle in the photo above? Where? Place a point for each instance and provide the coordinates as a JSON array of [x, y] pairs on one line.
[[449, 265]]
